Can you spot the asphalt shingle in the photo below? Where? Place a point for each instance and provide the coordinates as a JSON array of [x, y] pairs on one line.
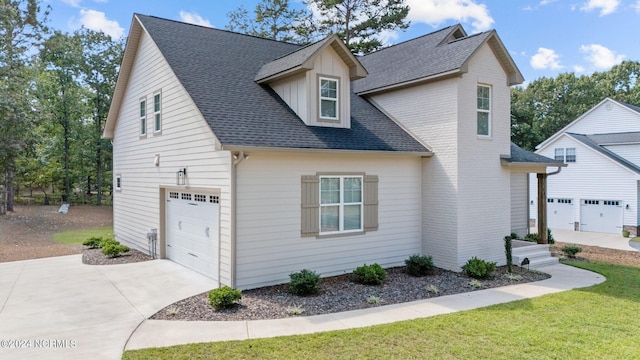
[[218, 69], [589, 141], [520, 155]]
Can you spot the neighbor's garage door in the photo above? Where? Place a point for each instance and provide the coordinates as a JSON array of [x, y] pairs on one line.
[[604, 216], [192, 231], [560, 213]]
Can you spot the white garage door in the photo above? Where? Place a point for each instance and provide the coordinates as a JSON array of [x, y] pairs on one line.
[[603, 216], [560, 213], [192, 231]]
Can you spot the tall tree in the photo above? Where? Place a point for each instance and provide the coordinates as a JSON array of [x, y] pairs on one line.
[[99, 68], [62, 56], [271, 19], [360, 22], [22, 26]]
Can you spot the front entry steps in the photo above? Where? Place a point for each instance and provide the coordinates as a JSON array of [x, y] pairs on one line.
[[538, 254]]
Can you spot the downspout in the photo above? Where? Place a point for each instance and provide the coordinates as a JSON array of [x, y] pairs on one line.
[[236, 158], [542, 205]]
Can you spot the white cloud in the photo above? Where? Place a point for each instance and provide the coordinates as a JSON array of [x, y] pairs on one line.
[[546, 2], [545, 59], [637, 6], [194, 18], [73, 3], [435, 12], [606, 7], [579, 69], [600, 57], [97, 21]]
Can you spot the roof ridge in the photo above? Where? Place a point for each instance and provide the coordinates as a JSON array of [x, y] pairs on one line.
[[470, 36], [410, 40], [216, 29]]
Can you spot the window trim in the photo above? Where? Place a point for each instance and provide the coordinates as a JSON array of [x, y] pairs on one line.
[[562, 154], [142, 118], [341, 205], [157, 114], [573, 156], [118, 182], [488, 112], [321, 98]]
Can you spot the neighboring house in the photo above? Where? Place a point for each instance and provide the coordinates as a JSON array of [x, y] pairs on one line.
[[598, 191], [254, 158]]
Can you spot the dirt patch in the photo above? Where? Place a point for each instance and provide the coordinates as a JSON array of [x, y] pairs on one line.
[[27, 233], [596, 253]]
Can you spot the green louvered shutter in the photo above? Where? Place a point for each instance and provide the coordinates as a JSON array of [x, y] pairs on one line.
[[370, 202], [310, 205]]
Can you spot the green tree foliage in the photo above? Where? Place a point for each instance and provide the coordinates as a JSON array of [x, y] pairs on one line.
[[547, 105], [22, 25], [360, 22], [271, 19]]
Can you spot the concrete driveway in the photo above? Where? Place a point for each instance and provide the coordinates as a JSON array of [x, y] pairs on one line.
[[59, 308], [611, 241]]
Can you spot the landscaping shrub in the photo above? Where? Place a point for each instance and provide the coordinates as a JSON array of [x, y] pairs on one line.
[[224, 297], [478, 268], [531, 237], [372, 274], [515, 236], [113, 248], [93, 242], [304, 283], [550, 238], [419, 265], [508, 250], [626, 233], [571, 250]]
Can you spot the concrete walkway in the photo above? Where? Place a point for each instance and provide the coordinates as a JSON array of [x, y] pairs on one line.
[[157, 333], [59, 308], [611, 241]]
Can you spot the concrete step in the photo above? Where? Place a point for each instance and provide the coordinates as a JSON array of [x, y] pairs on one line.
[[538, 255]]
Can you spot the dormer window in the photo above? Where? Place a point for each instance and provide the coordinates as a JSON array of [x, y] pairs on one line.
[[328, 98]]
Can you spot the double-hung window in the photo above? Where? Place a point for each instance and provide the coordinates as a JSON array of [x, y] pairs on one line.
[[143, 117], [566, 155], [157, 116], [341, 207], [484, 110], [328, 98]]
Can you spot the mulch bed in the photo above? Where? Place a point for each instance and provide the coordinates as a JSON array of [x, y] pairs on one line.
[[339, 293], [96, 257]]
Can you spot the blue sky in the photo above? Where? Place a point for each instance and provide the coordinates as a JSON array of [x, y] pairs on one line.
[[544, 37]]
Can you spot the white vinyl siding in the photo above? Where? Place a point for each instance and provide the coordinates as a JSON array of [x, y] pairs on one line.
[[519, 203], [187, 142], [593, 176], [270, 245], [629, 152], [483, 115]]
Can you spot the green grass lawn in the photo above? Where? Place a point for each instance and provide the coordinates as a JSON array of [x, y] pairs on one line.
[[599, 322], [76, 237], [636, 239]]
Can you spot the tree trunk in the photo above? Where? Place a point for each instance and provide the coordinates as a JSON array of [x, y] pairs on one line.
[[9, 189], [99, 149]]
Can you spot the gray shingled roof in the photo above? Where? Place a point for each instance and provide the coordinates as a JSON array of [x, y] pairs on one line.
[[616, 138], [589, 141], [632, 107], [520, 155], [418, 58], [218, 68], [289, 61]]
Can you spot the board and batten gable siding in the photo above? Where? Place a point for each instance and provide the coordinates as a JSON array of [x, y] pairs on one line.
[[606, 119], [592, 176], [429, 112], [483, 183], [270, 245], [186, 141], [630, 152], [294, 91], [520, 203]]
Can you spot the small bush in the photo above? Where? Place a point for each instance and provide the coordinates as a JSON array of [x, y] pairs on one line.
[[515, 236], [433, 289], [508, 250], [373, 300], [626, 233], [571, 250], [550, 238], [531, 237], [304, 283], [419, 265], [224, 297], [114, 249], [93, 242], [294, 310], [372, 274], [513, 277], [475, 284], [478, 268]]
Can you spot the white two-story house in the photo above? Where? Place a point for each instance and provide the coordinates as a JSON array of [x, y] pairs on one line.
[[253, 158]]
